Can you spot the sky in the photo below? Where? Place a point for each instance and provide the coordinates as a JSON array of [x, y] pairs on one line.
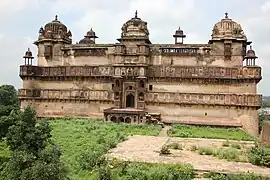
[[21, 20]]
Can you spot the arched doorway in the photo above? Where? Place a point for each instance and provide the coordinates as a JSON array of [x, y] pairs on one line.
[[128, 120], [113, 119], [130, 101], [121, 120]]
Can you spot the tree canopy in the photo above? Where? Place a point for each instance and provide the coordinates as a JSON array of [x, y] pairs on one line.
[[33, 155], [8, 99], [9, 105]]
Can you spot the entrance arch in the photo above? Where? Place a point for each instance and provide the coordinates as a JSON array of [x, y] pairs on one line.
[[130, 101]]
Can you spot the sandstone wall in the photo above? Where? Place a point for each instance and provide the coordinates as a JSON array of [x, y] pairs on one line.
[[208, 115], [92, 109], [241, 88]]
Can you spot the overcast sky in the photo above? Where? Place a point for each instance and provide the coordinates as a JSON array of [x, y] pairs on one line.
[[21, 20]]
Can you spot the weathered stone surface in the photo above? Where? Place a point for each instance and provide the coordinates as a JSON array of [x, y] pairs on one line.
[[265, 134], [205, 84], [146, 149]]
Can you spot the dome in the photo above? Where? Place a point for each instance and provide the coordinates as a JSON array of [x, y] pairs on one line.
[[28, 54], [89, 38], [228, 29], [251, 53], [179, 33], [55, 26], [135, 27], [55, 30]]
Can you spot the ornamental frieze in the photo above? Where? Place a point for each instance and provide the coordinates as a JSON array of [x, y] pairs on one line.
[[197, 98], [66, 94], [150, 71]]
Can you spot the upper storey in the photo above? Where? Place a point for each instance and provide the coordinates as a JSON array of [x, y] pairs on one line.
[[227, 29], [226, 48], [135, 29], [54, 30]]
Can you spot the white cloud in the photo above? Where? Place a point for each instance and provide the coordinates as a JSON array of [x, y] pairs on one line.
[[106, 17], [9, 7]]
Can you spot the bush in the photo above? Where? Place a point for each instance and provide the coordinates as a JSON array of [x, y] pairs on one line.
[[175, 146], [229, 154], [226, 144], [149, 171], [247, 176], [193, 148], [91, 160], [164, 151], [259, 156]]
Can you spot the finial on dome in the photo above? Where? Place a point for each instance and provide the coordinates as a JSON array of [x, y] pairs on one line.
[[226, 15], [136, 14], [250, 47], [56, 17]]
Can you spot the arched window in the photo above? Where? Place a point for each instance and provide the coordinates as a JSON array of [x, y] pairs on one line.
[[141, 84]]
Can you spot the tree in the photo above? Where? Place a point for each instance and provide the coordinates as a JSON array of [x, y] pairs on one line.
[[7, 121], [8, 99], [33, 155], [8, 104]]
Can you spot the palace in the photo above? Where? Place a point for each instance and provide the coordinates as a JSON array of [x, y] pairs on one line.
[[135, 80]]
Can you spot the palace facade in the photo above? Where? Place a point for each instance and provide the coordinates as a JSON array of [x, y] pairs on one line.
[[129, 81]]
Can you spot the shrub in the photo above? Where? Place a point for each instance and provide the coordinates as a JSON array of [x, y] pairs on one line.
[[259, 156], [226, 144], [193, 148], [91, 160], [205, 151], [247, 176], [175, 146], [229, 154], [164, 151], [236, 146]]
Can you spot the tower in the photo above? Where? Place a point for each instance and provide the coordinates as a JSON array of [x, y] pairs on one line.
[[51, 38], [89, 38], [179, 36], [250, 57], [28, 58], [228, 36]]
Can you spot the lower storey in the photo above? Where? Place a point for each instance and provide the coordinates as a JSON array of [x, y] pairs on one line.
[[247, 118]]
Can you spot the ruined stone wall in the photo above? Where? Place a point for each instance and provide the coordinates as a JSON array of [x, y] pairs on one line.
[[56, 108], [208, 115]]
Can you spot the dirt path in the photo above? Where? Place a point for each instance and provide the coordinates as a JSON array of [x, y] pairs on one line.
[[146, 149], [164, 131]]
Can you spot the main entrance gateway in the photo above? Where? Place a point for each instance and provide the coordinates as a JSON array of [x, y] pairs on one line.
[[130, 101]]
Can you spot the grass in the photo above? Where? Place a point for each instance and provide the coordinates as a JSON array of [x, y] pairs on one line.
[[150, 171], [230, 154], [175, 146], [247, 176], [187, 131], [78, 137], [230, 144]]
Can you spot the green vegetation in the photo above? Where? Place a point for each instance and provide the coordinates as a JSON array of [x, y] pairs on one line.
[[175, 146], [233, 145], [32, 155], [118, 170], [84, 142], [259, 156], [230, 154], [187, 131], [247, 176], [8, 103]]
